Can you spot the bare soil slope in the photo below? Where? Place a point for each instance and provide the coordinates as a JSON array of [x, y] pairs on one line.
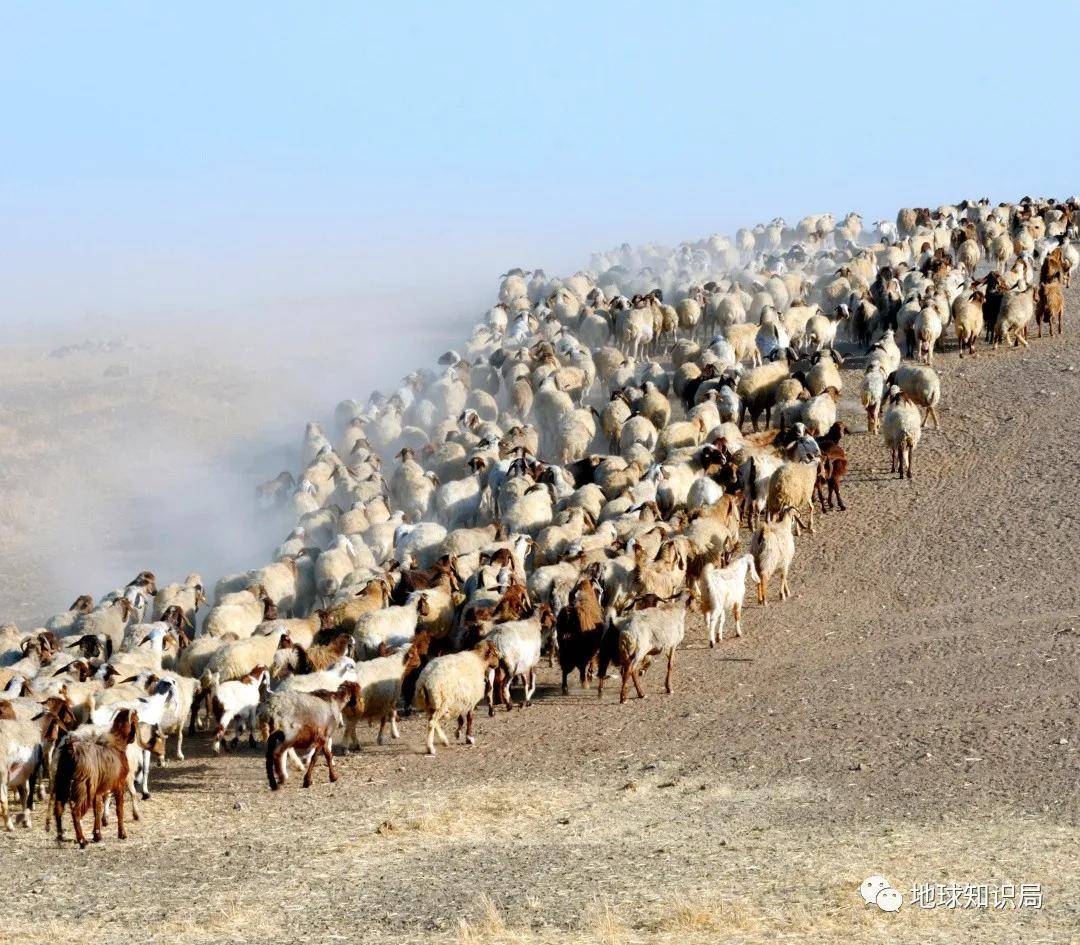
[[912, 710]]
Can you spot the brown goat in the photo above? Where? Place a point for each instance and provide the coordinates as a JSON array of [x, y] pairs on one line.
[[1053, 266], [833, 466], [579, 627], [513, 605], [87, 771], [443, 574], [306, 722], [1049, 304], [318, 656]]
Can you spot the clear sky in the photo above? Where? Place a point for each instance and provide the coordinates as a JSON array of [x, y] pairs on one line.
[[230, 156]]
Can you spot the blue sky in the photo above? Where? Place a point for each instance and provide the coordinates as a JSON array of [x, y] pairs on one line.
[[228, 157]]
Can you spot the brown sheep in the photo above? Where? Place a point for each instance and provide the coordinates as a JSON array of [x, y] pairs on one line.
[[374, 596], [1049, 304], [88, 771], [314, 658]]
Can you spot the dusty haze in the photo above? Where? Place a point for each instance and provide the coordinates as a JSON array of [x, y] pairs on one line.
[[141, 447]]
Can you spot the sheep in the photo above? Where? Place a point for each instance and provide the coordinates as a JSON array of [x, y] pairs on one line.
[[518, 644], [703, 493], [279, 581], [335, 564], [552, 541], [663, 578], [885, 351], [109, 621], [457, 504], [379, 681], [872, 393], [237, 699], [773, 548], [825, 372], [418, 543], [62, 622], [653, 405], [528, 512], [757, 389], [88, 770], [177, 714], [819, 413], [678, 435], [293, 657], [902, 429], [743, 339], [721, 589], [638, 429], [640, 634], [922, 386], [343, 616], [23, 749], [300, 630], [453, 685], [304, 722], [792, 485], [393, 626], [1049, 304], [927, 328], [967, 312], [239, 613], [1017, 309], [239, 658]]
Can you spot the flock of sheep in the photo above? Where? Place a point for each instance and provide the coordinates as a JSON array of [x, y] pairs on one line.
[[565, 487]]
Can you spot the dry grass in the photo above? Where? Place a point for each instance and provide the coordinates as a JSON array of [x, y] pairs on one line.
[[225, 919]]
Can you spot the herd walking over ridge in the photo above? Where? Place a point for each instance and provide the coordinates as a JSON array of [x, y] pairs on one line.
[[605, 452]]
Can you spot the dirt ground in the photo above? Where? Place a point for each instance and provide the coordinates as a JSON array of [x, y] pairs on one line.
[[911, 711]]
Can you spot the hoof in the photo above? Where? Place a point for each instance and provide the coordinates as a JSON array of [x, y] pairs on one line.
[[146, 795], [470, 740]]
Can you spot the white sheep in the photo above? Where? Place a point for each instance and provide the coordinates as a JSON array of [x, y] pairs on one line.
[[418, 543], [641, 634], [518, 644], [237, 699], [773, 548], [451, 686], [872, 393], [389, 626], [901, 427], [722, 589], [922, 386]]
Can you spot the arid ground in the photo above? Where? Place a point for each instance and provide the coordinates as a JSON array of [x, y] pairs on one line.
[[911, 711]]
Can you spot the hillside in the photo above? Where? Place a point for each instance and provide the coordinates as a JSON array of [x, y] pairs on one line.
[[912, 710]]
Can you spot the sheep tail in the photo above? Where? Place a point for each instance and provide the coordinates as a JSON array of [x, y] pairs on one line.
[[277, 737]]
